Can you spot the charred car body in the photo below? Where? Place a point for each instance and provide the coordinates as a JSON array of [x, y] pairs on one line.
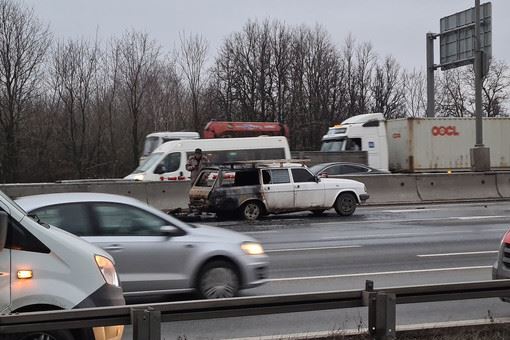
[[257, 189]]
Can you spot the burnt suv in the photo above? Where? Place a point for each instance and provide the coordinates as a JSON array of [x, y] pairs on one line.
[[258, 189]]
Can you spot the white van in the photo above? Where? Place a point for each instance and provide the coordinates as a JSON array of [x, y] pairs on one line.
[[45, 268], [168, 162], [153, 140]]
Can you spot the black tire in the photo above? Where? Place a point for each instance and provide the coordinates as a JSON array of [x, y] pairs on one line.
[[318, 212], [251, 210], [345, 204], [46, 335], [218, 279]]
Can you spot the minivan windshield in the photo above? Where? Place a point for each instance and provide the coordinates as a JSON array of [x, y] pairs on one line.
[[149, 162]]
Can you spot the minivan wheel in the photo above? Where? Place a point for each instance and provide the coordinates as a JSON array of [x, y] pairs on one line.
[[345, 204], [48, 335], [218, 279], [251, 210]]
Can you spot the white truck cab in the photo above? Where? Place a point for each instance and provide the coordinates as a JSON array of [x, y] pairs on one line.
[[366, 132], [45, 268]]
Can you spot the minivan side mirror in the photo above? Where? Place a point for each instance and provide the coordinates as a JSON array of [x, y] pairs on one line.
[[4, 220]]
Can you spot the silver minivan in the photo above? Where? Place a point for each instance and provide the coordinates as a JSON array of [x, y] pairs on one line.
[[156, 253]]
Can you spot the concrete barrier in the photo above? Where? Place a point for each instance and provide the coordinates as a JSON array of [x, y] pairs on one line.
[[168, 195], [390, 189], [465, 186], [503, 180]]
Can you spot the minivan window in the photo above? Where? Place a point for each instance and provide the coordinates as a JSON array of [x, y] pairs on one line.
[[18, 238], [171, 162], [123, 220], [226, 156], [72, 217]]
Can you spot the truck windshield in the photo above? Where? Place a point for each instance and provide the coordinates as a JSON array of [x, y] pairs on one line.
[[333, 145], [151, 143], [149, 162]]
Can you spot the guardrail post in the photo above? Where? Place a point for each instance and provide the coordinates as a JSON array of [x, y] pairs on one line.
[[146, 324], [382, 316]]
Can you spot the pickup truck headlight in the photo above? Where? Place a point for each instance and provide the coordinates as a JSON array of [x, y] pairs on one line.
[[107, 269], [252, 248]]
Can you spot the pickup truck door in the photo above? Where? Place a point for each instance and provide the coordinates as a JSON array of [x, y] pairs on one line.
[[277, 190], [308, 192]]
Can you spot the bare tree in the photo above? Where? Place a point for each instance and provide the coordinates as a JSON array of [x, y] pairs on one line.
[[454, 96], [75, 67], [24, 41], [137, 68], [415, 101], [387, 89], [192, 57], [496, 88]]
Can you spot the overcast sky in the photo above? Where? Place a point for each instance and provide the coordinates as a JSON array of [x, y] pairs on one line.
[[395, 27]]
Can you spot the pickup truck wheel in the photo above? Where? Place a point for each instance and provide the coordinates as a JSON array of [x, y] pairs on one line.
[[251, 210], [345, 204], [47, 335]]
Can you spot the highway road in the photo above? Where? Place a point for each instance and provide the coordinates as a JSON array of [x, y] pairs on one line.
[[393, 246]]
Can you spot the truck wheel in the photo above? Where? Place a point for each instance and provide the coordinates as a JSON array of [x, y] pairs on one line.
[[345, 204], [218, 279], [47, 335], [251, 210]]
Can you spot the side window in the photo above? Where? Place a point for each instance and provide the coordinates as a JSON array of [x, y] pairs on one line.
[[18, 238], [353, 144], [352, 169], [124, 220], [277, 176], [73, 218], [170, 163], [302, 175], [333, 170]]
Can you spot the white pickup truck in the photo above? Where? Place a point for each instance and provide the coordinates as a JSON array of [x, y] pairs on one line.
[[258, 189]]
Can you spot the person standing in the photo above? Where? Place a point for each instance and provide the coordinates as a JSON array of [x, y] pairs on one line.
[[195, 163]]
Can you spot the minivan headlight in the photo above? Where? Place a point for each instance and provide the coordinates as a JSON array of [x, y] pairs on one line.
[[252, 248], [107, 268]]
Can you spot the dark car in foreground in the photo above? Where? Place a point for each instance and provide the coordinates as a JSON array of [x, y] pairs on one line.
[[337, 169]]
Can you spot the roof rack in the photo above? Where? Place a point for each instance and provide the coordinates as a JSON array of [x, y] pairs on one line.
[[261, 162]]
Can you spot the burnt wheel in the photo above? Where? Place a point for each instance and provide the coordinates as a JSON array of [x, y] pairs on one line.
[[252, 210], [345, 204]]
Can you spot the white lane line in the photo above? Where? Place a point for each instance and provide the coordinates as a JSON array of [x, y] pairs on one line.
[[309, 249], [460, 254], [416, 271], [409, 210], [477, 217]]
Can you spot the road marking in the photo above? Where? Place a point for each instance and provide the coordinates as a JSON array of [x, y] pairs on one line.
[[416, 271], [310, 249], [409, 210], [477, 217], [460, 254]]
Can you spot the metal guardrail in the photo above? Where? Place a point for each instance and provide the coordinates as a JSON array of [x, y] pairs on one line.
[[146, 319]]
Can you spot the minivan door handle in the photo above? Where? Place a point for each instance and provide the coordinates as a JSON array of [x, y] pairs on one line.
[[113, 247]]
